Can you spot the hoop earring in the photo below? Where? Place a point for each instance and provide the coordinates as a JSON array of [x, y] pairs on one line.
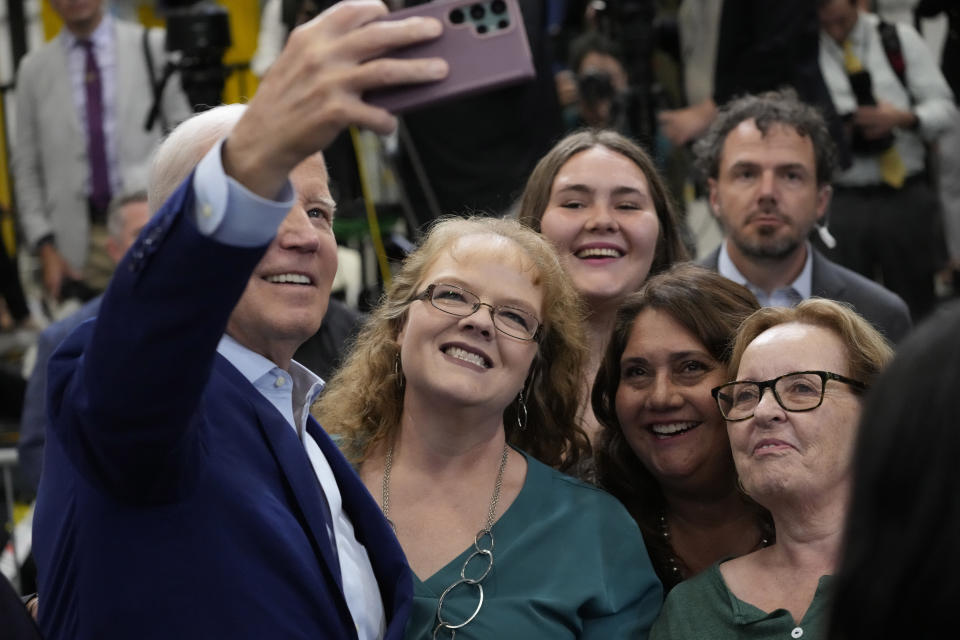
[[522, 414], [398, 373]]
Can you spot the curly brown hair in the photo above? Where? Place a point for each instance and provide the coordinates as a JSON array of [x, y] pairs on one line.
[[767, 110], [364, 401]]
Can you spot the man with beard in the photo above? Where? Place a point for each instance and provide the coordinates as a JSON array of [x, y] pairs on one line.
[[768, 159]]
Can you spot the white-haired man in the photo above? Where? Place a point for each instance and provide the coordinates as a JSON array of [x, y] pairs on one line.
[[186, 491]]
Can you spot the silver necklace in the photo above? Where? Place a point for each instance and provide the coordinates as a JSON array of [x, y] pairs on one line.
[[482, 545], [675, 564]]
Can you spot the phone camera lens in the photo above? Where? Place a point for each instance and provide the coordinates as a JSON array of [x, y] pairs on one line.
[[481, 29], [503, 24], [456, 16], [498, 7], [477, 12]]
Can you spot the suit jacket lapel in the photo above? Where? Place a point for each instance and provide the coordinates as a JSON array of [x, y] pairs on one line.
[[712, 259], [824, 281], [296, 468], [130, 65], [373, 532]]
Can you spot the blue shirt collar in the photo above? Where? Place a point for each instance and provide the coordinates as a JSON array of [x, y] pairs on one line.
[[800, 289], [291, 392]]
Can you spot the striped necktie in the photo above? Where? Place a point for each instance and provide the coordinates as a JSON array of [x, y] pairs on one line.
[[96, 144]]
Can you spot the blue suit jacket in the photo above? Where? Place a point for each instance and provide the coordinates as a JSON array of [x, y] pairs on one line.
[[176, 502], [34, 419]]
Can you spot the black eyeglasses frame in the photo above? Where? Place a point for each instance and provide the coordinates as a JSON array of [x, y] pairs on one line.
[[771, 384]]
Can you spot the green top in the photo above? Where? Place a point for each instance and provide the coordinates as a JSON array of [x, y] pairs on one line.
[[569, 562], [703, 607]]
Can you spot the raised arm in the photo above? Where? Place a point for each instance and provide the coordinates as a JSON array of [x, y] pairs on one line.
[[124, 395]]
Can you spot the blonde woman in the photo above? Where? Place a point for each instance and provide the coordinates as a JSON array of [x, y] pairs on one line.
[[458, 398]]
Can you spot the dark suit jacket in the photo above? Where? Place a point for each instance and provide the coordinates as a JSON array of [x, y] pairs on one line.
[[34, 420], [176, 502], [17, 623], [321, 353], [324, 351], [764, 46], [883, 308]]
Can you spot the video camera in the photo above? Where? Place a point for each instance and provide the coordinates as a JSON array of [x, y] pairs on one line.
[[198, 35]]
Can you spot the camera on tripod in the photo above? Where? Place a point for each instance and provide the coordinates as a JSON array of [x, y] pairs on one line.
[[198, 35]]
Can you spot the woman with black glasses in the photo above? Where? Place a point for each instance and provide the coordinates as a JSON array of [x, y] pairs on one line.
[[792, 416], [460, 391]]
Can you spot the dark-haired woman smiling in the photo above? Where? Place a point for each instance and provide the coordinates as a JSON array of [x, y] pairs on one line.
[[664, 450]]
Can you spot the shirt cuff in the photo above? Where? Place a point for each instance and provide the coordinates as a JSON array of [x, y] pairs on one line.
[[230, 213]]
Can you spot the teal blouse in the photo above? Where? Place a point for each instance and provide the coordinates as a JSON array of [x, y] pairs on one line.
[[703, 607], [569, 562]]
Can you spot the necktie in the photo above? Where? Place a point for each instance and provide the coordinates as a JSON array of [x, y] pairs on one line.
[[96, 146], [891, 164]]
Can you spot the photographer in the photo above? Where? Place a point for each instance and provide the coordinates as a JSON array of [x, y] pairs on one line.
[[885, 83], [601, 85]]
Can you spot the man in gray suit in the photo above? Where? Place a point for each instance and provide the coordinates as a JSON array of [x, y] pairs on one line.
[[768, 159], [81, 104]]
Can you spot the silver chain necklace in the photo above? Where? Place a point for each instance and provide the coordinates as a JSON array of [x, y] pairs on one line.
[[675, 564], [482, 545]]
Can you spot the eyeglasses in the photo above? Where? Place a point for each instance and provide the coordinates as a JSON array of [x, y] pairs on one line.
[[798, 391], [457, 301]]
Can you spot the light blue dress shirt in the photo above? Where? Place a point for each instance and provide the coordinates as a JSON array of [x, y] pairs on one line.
[[788, 296]]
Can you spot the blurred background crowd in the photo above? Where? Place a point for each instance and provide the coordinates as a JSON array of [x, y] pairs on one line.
[[656, 71]]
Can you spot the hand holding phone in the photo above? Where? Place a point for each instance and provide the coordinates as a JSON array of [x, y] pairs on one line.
[[484, 43]]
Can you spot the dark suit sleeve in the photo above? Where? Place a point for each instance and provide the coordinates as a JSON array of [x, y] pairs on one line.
[[17, 623], [761, 45], [898, 324], [124, 396], [930, 8], [32, 422]]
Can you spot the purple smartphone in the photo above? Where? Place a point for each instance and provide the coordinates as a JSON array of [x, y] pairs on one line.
[[483, 42]]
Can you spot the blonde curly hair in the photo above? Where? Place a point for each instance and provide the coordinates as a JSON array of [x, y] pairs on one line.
[[363, 402]]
